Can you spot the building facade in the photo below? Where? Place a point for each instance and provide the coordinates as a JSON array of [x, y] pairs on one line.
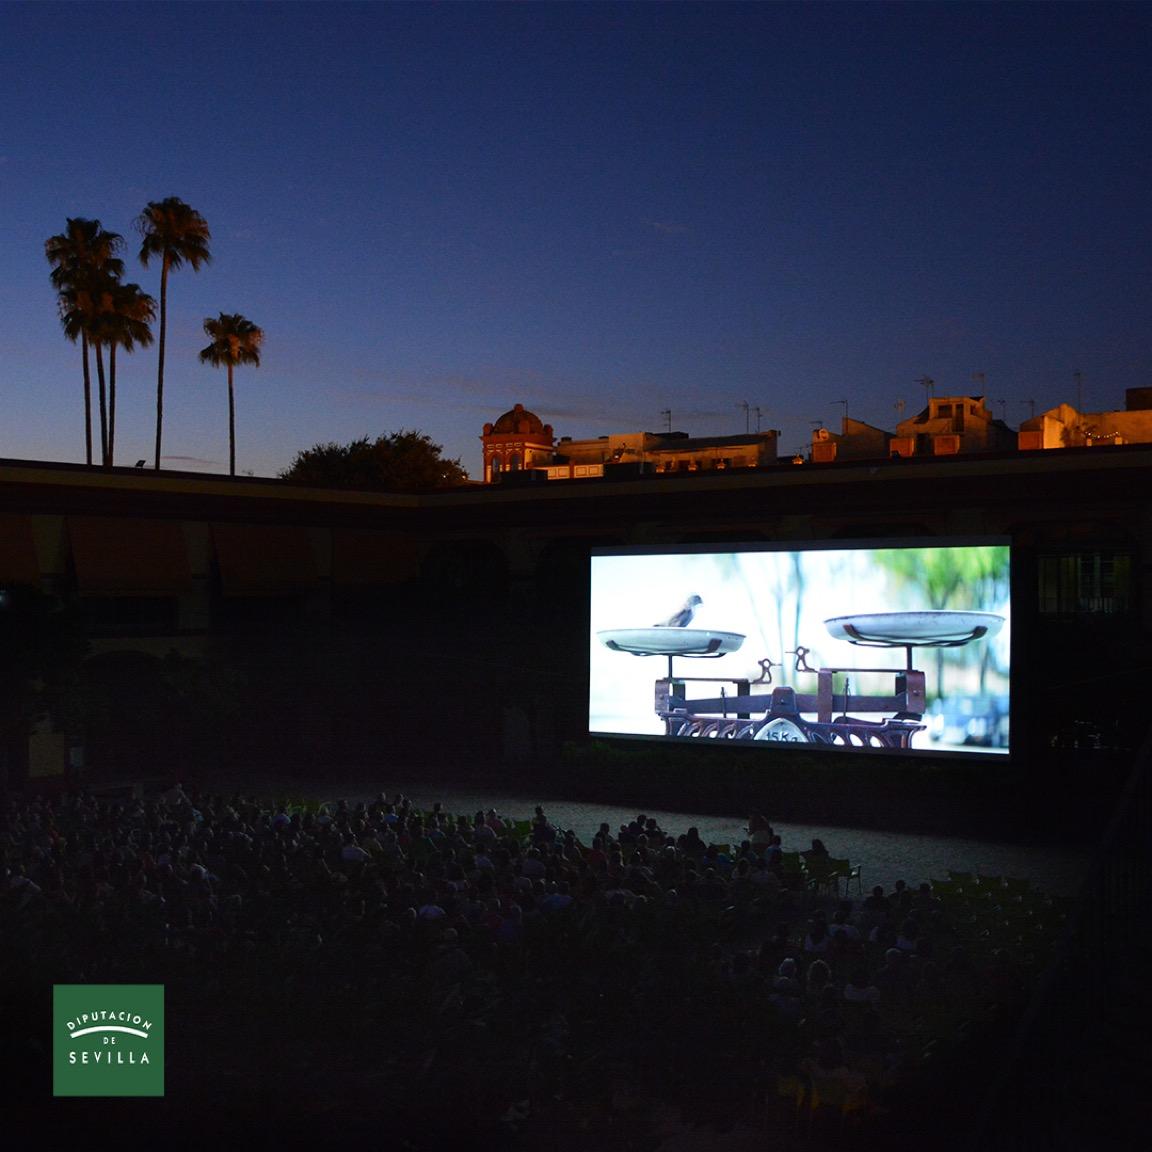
[[662, 452], [518, 441], [371, 620], [947, 426], [1065, 427]]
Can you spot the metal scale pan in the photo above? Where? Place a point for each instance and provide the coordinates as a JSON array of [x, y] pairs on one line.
[[700, 642], [915, 629]]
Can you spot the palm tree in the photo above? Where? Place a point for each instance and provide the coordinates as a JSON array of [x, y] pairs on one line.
[[80, 309], [235, 340], [123, 321], [84, 313], [79, 255], [179, 235]]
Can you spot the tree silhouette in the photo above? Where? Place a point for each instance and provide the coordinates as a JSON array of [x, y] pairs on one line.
[[393, 462], [235, 340], [178, 235], [82, 256], [124, 321]]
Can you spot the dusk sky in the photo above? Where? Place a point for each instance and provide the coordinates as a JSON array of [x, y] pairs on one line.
[[601, 211]]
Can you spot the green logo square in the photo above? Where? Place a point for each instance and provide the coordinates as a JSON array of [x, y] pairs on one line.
[[108, 1040]]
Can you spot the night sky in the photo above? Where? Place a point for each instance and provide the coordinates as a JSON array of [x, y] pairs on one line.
[[600, 211]]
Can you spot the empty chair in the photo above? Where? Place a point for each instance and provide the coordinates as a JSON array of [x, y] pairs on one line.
[[821, 875], [791, 867], [846, 871]]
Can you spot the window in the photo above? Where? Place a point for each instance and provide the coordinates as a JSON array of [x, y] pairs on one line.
[[1080, 583]]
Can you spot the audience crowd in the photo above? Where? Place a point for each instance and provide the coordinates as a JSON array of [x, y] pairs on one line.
[[442, 976]]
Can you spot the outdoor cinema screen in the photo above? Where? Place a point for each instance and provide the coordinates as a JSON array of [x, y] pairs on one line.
[[879, 646]]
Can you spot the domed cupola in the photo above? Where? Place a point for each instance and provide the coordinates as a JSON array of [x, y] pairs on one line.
[[519, 439]]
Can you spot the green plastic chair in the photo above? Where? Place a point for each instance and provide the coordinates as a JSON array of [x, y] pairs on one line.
[[791, 867], [846, 871], [820, 873]]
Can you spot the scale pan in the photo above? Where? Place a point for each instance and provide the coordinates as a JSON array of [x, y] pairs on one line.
[[915, 629], [670, 641]]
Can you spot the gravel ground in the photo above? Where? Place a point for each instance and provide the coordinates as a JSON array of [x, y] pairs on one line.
[[883, 857]]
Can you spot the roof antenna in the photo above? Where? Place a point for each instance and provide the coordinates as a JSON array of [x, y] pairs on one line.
[[928, 384], [745, 405], [667, 414]]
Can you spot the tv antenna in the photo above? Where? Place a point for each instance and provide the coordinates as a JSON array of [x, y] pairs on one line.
[[845, 403], [1003, 411], [747, 408], [899, 406], [1031, 408], [979, 378], [759, 413], [928, 384], [666, 415]]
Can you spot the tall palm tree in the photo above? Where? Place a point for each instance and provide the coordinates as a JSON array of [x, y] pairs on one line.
[[235, 340], [179, 235], [82, 252], [124, 321], [83, 312]]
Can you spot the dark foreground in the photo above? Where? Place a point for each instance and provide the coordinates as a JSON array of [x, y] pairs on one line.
[[418, 978]]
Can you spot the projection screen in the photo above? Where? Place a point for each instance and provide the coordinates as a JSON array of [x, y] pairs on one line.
[[885, 645]]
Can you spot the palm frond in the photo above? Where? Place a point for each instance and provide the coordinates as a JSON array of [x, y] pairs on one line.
[[108, 313], [235, 340], [83, 249], [175, 232]]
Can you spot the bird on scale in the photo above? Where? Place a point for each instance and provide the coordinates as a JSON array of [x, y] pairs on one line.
[[683, 616]]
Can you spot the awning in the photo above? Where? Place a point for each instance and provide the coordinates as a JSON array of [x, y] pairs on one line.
[[263, 559], [121, 556], [18, 562], [373, 558]]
